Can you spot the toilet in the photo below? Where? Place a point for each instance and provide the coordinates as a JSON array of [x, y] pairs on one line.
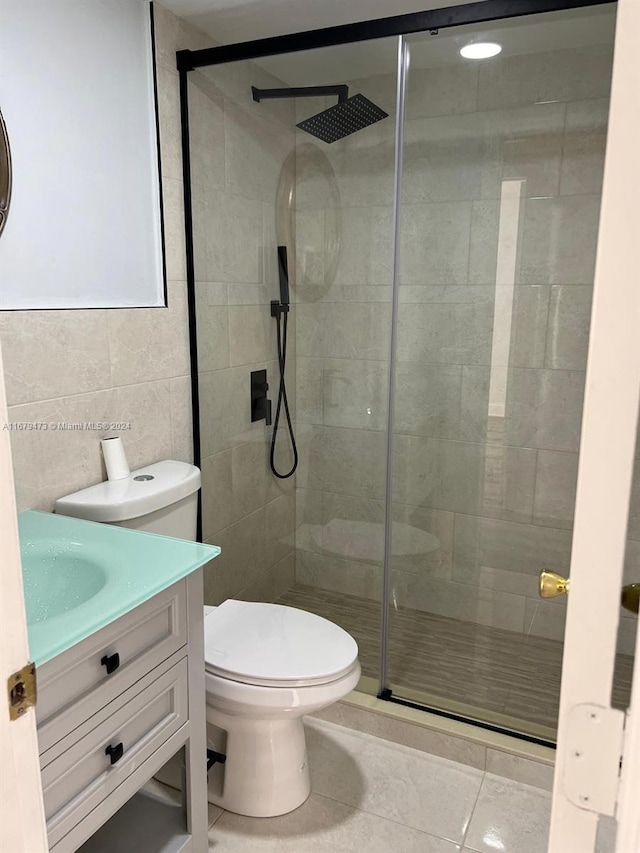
[[266, 665]]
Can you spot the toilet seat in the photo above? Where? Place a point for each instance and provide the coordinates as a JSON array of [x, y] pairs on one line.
[[270, 645]]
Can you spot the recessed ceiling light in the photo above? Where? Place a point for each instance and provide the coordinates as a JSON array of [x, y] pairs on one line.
[[480, 50]]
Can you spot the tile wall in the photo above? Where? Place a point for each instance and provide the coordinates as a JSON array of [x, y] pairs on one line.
[[344, 209], [481, 502], [238, 151]]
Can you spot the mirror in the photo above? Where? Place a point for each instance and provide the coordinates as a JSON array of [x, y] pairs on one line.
[[5, 173], [78, 97]]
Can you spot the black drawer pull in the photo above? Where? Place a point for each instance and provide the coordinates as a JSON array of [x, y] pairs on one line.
[[114, 752], [112, 662]]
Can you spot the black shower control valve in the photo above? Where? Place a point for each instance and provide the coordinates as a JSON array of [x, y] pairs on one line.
[[260, 404]]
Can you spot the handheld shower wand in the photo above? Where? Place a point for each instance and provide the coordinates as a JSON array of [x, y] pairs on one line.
[[283, 272], [280, 310]]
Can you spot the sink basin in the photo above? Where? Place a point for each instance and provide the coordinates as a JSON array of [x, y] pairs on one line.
[[57, 579], [80, 575]]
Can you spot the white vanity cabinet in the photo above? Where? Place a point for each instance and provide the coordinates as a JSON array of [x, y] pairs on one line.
[[111, 711]]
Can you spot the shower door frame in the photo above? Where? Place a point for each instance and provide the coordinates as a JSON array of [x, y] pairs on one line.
[[397, 26]]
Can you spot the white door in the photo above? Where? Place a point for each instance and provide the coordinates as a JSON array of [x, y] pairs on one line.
[[22, 823], [590, 734]]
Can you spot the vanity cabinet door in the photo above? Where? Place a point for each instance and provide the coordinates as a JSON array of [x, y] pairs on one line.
[[79, 778], [80, 681]]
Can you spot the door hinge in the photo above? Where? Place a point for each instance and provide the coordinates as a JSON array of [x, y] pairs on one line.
[[594, 748], [22, 691]]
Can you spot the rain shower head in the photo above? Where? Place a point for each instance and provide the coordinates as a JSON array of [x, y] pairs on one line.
[[344, 118]]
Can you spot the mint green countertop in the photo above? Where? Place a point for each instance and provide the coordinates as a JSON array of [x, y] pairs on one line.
[[81, 575]]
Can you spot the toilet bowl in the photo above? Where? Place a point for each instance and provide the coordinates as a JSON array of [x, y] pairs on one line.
[[266, 667]]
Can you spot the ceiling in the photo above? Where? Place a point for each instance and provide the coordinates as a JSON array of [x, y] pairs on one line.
[[229, 21]]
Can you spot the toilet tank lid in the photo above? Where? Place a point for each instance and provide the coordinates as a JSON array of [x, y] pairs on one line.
[[146, 490]]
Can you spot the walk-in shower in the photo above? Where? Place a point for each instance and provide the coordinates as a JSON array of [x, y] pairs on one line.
[[440, 270]]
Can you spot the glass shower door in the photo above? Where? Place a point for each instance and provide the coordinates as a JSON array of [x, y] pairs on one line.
[[265, 175], [499, 215], [342, 222]]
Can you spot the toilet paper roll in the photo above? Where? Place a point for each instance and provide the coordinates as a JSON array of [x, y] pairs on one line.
[[115, 458]]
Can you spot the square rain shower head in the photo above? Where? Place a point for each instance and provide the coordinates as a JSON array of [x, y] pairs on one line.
[[343, 119]]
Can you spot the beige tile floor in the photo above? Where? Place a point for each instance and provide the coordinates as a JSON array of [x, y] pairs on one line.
[[503, 676], [374, 795]]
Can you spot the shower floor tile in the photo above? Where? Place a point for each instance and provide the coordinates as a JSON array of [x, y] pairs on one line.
[[459, 666]]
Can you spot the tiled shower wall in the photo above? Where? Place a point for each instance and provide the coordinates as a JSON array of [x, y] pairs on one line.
[[481, 503], [344, 196], [238, 149]]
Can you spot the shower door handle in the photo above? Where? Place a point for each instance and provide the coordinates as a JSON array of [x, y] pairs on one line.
[[551, 584]]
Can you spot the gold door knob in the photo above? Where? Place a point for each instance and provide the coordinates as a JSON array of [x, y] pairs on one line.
[[551, 584]]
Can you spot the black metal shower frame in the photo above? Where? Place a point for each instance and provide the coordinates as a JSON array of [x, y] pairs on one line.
[[433, 20]]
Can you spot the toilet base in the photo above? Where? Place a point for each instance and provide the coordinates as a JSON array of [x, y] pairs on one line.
[[266, 772]]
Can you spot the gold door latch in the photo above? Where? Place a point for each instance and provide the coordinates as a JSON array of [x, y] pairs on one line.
[[21, 687], [551, 584]]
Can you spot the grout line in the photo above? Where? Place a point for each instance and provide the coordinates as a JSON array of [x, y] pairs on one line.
[[434, 438], [547, 325], [96, 391], [406, 505], [466, 832], [562, 149], [434, 203], [109, 347], [382, 817], [172, 419], [217, 817], [234, 523], [534, 489]]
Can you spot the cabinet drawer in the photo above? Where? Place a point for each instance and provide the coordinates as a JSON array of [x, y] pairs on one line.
[[77, 683], [80, 777]]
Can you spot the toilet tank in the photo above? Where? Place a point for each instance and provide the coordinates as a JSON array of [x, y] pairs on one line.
[[160, 498]]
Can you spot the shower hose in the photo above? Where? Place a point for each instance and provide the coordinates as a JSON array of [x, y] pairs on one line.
[[283, 402]]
